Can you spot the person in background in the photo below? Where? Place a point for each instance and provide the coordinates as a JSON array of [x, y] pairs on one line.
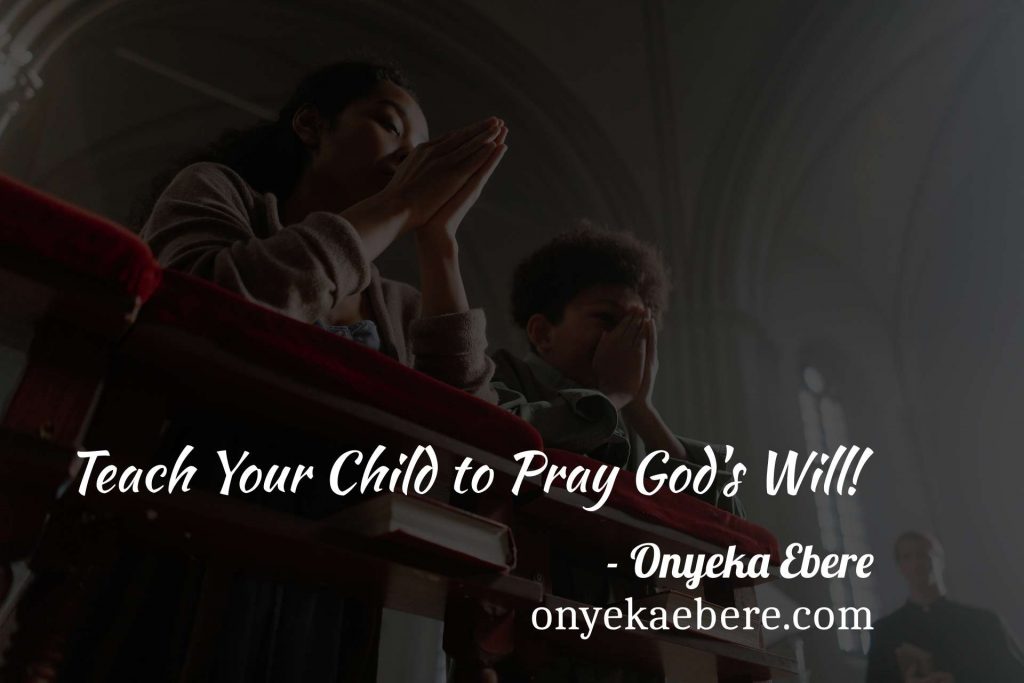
[[932, 639]]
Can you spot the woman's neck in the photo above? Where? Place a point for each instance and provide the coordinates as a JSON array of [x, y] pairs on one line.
[[299, 204]]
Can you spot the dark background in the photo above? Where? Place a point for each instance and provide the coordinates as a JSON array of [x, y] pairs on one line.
[[835, 185]]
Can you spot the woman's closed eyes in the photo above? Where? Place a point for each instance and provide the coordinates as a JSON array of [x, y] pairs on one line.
[[391, 125]]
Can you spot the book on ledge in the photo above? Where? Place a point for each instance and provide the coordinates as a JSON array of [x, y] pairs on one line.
[[427, 533]]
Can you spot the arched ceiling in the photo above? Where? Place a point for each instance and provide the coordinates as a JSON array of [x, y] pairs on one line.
[[877, 206]]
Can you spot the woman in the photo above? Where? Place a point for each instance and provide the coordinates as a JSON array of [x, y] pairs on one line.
[[292, 214]]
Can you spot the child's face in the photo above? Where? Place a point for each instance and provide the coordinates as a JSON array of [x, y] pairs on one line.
[[569, 345]]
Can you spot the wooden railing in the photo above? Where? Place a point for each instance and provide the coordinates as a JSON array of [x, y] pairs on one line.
[[106, 367]]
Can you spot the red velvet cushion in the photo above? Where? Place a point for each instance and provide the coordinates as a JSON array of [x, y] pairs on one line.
[[324, 360], [321, 359], [76, 240], [92, 246], [679, 511]]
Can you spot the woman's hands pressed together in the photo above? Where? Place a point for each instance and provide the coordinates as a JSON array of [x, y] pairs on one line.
[[440, 179], [433, 188], [445, 222], [463, 162]]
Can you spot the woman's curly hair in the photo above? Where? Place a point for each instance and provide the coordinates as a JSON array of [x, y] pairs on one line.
[[549, 278]]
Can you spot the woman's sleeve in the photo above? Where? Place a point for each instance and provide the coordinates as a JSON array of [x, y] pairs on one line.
[[201, 225], [452, 348]]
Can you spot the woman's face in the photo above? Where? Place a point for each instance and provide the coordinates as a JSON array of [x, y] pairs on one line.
[[355, 156]]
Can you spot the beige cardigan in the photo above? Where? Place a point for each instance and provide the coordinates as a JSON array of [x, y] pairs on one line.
[[209, 222]]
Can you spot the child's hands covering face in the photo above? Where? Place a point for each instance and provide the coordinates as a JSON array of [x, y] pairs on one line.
[[645, 395], [453, 167], [620, 359]]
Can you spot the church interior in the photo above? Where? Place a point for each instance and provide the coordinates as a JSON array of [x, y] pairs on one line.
[[831, 186]]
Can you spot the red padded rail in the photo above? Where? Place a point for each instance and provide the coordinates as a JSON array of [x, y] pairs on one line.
[[36, 224], [329, 362], [79, 242]]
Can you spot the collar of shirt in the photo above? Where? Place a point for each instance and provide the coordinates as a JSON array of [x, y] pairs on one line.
[[548, 374], [938, 604], [621, 438]]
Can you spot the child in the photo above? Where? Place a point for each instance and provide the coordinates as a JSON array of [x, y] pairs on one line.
[[589, 301]]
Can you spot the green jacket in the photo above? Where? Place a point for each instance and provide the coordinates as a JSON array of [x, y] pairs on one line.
[[574, 418]]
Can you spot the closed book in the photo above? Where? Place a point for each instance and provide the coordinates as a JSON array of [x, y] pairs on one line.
[[427, 533]]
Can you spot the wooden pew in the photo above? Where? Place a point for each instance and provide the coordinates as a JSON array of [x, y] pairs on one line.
[[72, 283], [194, 349], [154, 371], [546, 524]]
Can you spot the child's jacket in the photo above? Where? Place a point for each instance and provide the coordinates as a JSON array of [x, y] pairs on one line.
[[574, 418]]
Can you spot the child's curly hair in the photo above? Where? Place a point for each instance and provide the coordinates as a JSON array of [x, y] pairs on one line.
[[549, 278]]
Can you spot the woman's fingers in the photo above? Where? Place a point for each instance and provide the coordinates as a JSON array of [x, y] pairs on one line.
[[471, 142], [456, 208], [461, 172], [439, 140], [441, 179], [482, 174], [482, 163], [459, 205], [482, 141], [456, 139]]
